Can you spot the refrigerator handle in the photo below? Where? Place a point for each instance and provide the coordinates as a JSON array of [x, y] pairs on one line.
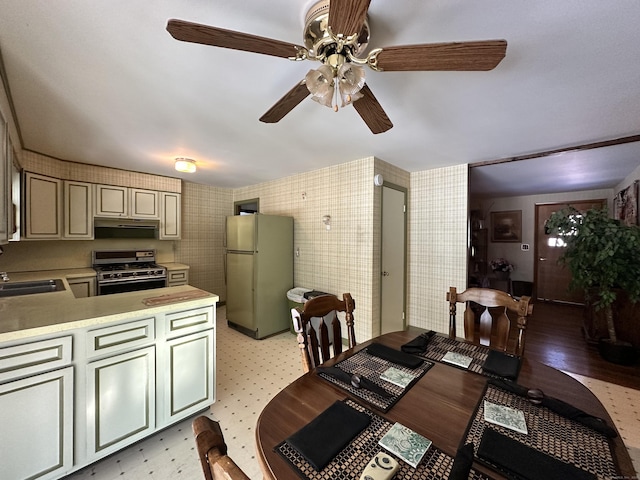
[[224, 266], [224, 237]]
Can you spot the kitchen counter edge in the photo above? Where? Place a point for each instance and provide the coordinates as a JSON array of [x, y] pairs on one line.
[[29, 316]]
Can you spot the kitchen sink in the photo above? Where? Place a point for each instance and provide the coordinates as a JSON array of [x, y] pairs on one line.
[[28, 288]]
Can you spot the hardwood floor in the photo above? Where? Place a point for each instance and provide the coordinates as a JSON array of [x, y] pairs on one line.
[[554, 337]]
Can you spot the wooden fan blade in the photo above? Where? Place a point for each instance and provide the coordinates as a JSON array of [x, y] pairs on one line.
[[481, 55], [371, 112], [219, 37], [287, 103], [347, 16]]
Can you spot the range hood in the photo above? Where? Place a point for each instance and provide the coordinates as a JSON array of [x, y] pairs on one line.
[[125, 228]]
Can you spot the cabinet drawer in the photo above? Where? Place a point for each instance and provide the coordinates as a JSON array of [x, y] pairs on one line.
[[178, 277], [36, 357], [188, 321], [125, 336]]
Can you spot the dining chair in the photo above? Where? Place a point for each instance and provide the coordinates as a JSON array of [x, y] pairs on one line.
[[315, 342], [493, 327], [212, 450]]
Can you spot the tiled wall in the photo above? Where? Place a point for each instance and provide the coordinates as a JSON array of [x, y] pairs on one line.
[[437, 243], [345, 258], [204, 210], [52, 255], [338, 260], [36, 163]]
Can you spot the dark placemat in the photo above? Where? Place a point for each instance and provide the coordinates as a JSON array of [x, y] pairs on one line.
[[351, 461], [439, 345], [550, 433], [371, 367]]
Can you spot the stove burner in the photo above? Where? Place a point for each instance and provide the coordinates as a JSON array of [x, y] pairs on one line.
[[127, 270]]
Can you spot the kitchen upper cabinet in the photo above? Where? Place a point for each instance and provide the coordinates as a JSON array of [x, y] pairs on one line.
[[78, 210], [114, 201], [144, 203], [170, 212], [4, 182], [43, 206]]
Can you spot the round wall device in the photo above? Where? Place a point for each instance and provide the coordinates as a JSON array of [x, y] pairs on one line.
[[378, 180]]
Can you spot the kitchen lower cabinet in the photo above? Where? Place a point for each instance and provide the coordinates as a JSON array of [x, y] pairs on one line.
[[176, 278], [83, 287], [36, 414], [120, 400], [68, 401], [188, 375]]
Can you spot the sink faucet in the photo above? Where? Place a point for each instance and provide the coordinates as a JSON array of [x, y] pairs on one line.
[[4, 276]]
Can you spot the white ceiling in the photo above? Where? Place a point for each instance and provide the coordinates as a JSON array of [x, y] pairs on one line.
[[103, 82]]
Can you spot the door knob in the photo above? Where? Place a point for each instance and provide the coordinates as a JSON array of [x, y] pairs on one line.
[[542, 259], [385, 274]]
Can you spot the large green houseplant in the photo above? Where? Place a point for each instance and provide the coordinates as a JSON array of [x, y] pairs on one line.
[[603, 255]]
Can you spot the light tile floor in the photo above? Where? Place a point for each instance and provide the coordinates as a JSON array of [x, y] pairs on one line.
[[249, 373]]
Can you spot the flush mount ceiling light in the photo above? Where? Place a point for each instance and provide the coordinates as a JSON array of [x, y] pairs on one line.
[[186, 165]]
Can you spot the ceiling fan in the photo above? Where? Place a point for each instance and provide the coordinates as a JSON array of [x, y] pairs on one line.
[[336, 34]]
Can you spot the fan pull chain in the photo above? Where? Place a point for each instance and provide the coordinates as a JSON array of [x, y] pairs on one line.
[[335, 94]]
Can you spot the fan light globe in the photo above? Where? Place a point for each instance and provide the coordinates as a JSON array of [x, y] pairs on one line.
[[186, 165]]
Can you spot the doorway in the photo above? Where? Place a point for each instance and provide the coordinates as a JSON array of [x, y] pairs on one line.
[[393, 259], [551, 279], [246, 207]]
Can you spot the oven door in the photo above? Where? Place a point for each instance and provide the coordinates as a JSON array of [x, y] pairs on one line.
[[121, 286]]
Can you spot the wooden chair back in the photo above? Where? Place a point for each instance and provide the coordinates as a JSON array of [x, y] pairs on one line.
[[315, 345], [493, 327], [216, 464]]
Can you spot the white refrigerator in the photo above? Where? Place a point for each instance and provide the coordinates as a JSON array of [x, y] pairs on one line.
[[259, 272]]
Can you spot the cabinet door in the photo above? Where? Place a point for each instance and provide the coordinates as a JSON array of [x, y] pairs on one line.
[[189, 375], [170, 216], [83, 287], [112, 201], [144, 203], [78, 210], [120, 401], [4, 183], [43, 206], [36, 426]]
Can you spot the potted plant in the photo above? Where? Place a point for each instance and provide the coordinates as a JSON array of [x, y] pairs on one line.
[[501, 268], [603, 255]]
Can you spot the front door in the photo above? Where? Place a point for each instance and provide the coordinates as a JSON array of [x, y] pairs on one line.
[[392, 283], [552, 279]]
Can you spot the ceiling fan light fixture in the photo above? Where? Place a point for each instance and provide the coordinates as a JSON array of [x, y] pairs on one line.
[[320, 84], [185, 165], [350, 81]]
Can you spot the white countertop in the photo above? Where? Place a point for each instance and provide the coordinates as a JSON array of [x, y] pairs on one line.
[[45, 313], [174, 266]]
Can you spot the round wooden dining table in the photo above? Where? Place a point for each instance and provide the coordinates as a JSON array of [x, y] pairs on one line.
[[439, 406]]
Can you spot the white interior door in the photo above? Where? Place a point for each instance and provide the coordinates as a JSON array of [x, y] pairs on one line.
[[393, 261]]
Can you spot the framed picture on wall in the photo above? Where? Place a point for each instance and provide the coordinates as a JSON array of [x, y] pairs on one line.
[[506, 226], [626, 205]]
